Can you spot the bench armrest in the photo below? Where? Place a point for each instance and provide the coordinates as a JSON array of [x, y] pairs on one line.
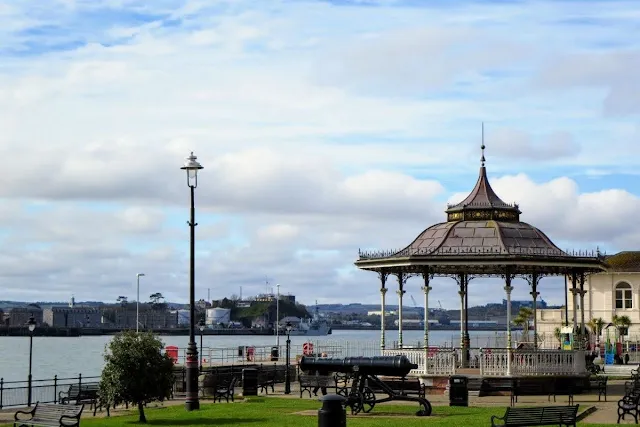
[[495, 418], [30, 413], [75, 419]]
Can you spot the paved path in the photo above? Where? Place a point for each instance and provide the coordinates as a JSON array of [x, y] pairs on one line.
[[606, 412]]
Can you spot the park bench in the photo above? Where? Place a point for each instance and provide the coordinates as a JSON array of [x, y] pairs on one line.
[[266, 380], [599, 384], [225, 389], [310, 382], [54, 415], [629, 405], [541, 416], [562, 387], [80, 393], [529, 388]]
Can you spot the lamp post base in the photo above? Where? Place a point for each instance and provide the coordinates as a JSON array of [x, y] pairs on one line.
[[192, 402]]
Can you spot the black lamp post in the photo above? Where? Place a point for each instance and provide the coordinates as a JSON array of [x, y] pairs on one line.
[[201, 327], [287, 379], [32, 327], [192, 402]]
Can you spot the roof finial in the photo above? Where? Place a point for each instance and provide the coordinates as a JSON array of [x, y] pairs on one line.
[[482, 147]]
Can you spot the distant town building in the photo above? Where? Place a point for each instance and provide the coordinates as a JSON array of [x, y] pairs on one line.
[[149, 318], [19, 316], [72, 316], [379, 312]]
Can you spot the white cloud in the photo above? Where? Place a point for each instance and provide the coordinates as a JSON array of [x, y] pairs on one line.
[[322, 129]]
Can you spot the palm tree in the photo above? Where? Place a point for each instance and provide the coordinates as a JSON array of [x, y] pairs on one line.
[[522, 319], [596, 325], [557, 332], [622, 324]]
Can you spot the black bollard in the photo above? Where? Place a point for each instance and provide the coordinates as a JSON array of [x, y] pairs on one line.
[[332, 413]]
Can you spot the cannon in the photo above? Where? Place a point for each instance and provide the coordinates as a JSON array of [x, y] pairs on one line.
[[365, 372]]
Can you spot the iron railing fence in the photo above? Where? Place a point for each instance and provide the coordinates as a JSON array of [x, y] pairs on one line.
[[16, 393]]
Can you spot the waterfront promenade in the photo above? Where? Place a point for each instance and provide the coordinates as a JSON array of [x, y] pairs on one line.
[[603, 412]]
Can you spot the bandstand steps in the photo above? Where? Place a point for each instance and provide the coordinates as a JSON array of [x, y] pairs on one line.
[[619, 370]]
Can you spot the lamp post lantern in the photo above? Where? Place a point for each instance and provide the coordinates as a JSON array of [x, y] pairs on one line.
[[138, 301], [287, 378], [31, 324], [192, 402], [201, 327]]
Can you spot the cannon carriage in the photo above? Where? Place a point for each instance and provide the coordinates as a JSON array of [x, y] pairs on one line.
[[365, 373]]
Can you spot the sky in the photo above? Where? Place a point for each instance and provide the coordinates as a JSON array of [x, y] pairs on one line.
[[324, 127]]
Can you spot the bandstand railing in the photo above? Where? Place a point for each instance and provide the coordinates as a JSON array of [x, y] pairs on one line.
[[493, 362], [439, 362]]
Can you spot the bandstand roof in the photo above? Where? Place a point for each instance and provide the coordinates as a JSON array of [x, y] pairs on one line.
[[482, 235]]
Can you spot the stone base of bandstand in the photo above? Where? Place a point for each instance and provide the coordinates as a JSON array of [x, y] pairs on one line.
[[480, 385]]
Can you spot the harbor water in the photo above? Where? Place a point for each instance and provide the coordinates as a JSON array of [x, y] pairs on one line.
[[70, 356]]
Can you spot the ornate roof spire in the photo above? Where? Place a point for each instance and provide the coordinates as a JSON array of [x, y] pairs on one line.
[[483, 203], [482, 147]]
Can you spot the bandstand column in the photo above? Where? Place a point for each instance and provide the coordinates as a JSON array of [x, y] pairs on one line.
[[383, 292], [426, 288], [508, 288], [402, 278], [582, 292], [574, 291], [534, 294], [462, 292]]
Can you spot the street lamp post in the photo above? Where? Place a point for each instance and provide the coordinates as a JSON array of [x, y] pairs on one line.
[[138, 301], [287, 378], [201, 326], [278, 317], [32, 327], [192, 402]]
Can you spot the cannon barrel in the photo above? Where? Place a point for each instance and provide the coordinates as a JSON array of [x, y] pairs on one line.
[[393, 366]]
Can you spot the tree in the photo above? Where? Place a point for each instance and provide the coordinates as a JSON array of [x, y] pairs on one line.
[[596, 325], [123, 300], [136, 371], [156, 301], [522, 319], [621, 323], [557, 332]]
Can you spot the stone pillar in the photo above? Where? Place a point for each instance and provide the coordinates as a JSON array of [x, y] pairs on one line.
[[401, 281], [383, 292], [508, 288], [534, 294]]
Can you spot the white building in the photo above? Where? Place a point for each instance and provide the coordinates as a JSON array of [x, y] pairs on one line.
[[614, 292]]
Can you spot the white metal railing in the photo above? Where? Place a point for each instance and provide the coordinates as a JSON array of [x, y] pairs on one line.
[[494, 361], [439, 361]]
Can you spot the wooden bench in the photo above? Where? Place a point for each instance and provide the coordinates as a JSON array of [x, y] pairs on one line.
[[310, 382], [80, 393], [529, 388], [599, 384], [629, 405], [266, 380], [225, 389], [49, 415], [541, 416]]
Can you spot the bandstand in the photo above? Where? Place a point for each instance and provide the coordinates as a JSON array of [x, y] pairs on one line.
[[483, 237]]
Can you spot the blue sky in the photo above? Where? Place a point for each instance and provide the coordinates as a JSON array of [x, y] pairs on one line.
[[323, 126]]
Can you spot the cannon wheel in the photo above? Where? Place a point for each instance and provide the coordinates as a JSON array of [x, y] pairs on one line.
[[426, 410], [356, 402], [368, 400], [342, 391]]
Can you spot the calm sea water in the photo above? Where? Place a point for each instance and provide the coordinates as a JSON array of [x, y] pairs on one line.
[[68, 357]]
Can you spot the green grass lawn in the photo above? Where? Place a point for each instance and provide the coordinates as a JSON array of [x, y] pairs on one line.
[[279, 412]]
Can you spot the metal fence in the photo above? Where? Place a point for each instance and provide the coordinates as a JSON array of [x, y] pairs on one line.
[[16, 393]]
